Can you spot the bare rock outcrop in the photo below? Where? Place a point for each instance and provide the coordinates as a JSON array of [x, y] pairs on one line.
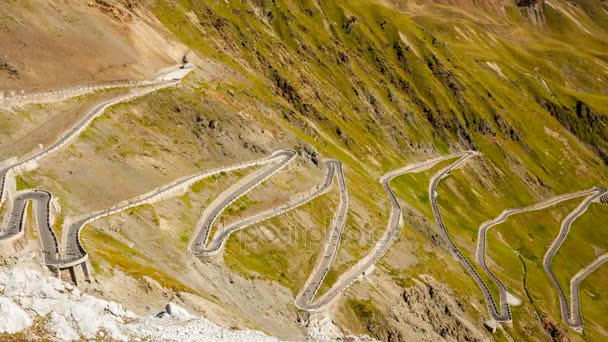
[[8, 68], [434, 310], [557, 332], [534, 10], [115, 11]]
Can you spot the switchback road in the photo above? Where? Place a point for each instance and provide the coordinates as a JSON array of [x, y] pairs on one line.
[[13, 227], [219, 239], [304, 300], [505, 312], [213, 210], [573, 320], [76, 254], [575, 309], [481, 250], [572, 315], [41, 202]]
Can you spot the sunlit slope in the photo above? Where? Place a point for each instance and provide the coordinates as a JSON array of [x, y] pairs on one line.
[[376, 84], [379, 86]]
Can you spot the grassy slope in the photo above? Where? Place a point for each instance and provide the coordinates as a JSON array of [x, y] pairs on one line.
[[285, 248], [413, 190], [585, 242], [337, 75], [524, 238], [437, 92]]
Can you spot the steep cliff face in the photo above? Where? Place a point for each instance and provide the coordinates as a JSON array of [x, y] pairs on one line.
[[434, 304], [425, 311], [534, 9], [584, 122]]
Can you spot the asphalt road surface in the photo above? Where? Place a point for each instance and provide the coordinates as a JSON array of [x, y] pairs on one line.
[[574, 321], [505, 312], [41, 199], [481, 249], [217, 207], [218, 241]]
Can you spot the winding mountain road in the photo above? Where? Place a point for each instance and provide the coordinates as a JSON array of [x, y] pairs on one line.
[[215, 208], [13, 227], [219, 239], [304, 300], [72, 252], [505, 312], [481, 250], [575, 282], [572, 317]]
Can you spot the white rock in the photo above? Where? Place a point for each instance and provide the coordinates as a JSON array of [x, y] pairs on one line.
[[62, 329], [41, 306], [12, 318], [513, 300], [85, 319], [74, 315], [178, 312], [115, 309]]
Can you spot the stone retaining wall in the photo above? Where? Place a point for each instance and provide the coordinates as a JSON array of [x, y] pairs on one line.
[[9, 98]]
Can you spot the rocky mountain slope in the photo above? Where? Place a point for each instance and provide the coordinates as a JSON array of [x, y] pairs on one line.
[[64, 313], [375, 84]]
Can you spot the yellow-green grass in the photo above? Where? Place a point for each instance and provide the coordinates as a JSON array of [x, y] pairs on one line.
[[515, 250], [31, 230], [594, 300], [284, 248], [57, 225], [103, 246], [23, 182], [365, 316], [586, 240]]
